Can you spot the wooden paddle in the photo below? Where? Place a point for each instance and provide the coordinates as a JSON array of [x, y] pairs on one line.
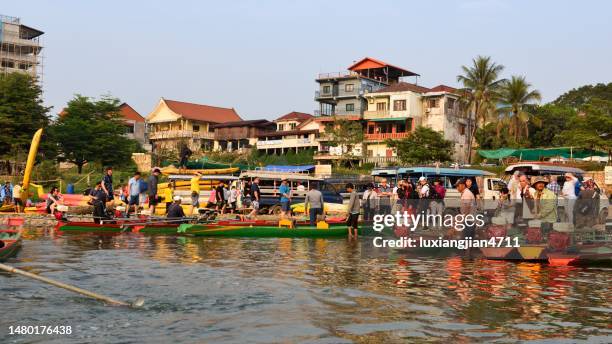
[[138, 303]]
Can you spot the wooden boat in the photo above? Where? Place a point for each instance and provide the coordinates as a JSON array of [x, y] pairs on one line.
[[10, 243], [584, 254], [161, 227], [264, 231], [173, 170]]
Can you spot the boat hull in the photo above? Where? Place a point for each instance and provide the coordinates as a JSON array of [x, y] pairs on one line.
[[10, 244], [265, 231]]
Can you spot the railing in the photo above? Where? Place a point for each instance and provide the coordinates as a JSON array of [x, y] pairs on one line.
[[376, 114], [285, 143], [176, 134], [335, 75], [338, 113], [385, 136], [331, 94], [380, 160]]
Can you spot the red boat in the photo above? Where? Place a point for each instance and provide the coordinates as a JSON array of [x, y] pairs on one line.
[[10, 243]]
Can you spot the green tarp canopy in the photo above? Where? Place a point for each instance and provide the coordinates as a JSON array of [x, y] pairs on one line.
[[535, 154], [205, 164]]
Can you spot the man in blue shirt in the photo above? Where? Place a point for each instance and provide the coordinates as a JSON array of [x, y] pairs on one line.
[[285, 199], [134, 191]]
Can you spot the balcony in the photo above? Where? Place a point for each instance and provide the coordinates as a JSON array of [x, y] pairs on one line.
[[381, 161], [336, 75], [286, 143], [337, 113], [179, 134], [376, 114], [385, 136], [322, 95]]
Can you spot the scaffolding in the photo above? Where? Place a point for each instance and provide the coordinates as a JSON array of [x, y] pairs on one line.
[[20, 48]]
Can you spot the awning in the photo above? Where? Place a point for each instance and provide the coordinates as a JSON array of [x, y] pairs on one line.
[[289, 168], [535, 154], [388, 119]]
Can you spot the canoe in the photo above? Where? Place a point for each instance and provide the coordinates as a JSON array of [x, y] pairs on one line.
[[264, 231], [136, 227], [10, 243]]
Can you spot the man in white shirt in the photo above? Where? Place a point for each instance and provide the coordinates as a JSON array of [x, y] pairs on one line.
[[467, 206], [569, 193]]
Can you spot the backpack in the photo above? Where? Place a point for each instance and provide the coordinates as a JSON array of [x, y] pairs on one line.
[[143, 185], [577, 187]]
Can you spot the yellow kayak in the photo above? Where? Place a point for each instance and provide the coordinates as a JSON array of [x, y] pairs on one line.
[[328, 208], [173, 170]]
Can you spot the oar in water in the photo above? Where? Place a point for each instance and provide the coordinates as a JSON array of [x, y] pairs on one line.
[[138, 303]]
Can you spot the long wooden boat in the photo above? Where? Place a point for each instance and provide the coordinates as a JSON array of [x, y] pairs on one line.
[[160, 227], [264, 231], [10, 243]]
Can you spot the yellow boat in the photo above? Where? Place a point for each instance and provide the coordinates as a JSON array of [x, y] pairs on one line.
[[173, 170]]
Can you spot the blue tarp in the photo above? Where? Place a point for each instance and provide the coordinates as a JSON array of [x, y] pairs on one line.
[[289, 168]]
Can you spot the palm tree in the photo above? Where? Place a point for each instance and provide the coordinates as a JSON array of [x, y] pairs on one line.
[[481, 85], [515, 100]]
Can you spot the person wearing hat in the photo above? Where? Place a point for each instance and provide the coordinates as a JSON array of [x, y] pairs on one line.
[[467, 206], [568, 191], [175, 210], [285, 197], [423, 195], [152, 189], [545, 203]]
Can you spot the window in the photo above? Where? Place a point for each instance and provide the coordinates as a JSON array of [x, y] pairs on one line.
[[370, 129], [461, 129], [381, 106], [432, 103], [129, 129], [281, 127], [196, 128], [400, 128], [350, 107], [326, 89], [292, 126], [349, 87], [399, 105], [450, 103]]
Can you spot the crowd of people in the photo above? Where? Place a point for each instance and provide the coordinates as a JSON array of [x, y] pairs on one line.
[[541, 197], [406, 196]]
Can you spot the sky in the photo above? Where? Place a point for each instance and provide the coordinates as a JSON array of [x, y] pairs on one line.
[[262, 57]]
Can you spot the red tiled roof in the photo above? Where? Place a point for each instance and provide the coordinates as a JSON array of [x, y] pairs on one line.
[[443, 88], [368, 63], [294, 115], [403, 86], [129, 113], [204, 113]]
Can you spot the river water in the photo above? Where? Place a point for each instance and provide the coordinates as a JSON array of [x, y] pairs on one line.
[[294, 290]]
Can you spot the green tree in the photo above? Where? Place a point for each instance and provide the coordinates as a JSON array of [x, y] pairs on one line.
[[516, 100], [346, 135], [424, 145], [481, 83], [93, 131], [554, 119], [21, 112], [590, 128], [578, 97]]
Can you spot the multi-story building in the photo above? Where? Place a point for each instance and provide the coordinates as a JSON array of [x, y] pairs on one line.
[[173, 124], [442, 112], [19, 47], [240, 136], [342, 93], [135, 127], [395, 111], [295, 131]]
